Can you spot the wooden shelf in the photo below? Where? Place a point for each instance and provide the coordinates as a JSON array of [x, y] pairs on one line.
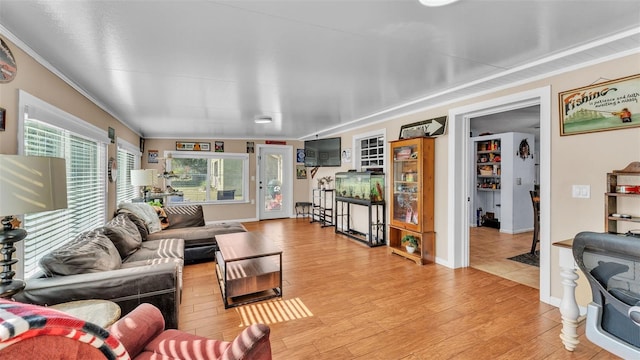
[[614, 199]]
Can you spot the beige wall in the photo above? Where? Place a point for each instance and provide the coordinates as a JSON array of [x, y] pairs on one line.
[[578, 159], [41, 83]]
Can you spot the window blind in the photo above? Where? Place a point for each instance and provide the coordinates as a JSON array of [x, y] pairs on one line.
[[86, 185], [128, 159]]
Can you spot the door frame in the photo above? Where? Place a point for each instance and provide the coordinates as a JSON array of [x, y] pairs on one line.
[[460, 178], [287, 186]]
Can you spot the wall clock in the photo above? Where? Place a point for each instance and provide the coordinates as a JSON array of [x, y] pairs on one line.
[[8, 67], [112, 170]]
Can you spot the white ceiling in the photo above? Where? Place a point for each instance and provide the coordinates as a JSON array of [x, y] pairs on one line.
[[205, 69]]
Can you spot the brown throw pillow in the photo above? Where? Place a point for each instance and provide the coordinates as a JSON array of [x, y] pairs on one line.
[[89, 252], [145, 212], [139, 223], [182, 216], [124, 234]]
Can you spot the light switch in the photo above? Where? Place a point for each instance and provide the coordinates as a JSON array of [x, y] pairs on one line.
[[581, 191]]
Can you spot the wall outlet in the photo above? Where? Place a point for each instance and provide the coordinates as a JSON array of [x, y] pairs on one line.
[[581, 191]]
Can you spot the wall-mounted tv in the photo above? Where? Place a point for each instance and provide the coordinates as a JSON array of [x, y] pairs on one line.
[[322, 152]]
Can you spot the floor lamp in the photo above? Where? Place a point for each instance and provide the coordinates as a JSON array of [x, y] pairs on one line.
[[28, 184]]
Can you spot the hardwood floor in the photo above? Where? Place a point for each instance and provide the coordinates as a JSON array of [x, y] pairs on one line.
[[368, 304], [490, 249]]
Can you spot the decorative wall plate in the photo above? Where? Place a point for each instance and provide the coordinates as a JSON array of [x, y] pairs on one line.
[[112, 170], [8, 67]]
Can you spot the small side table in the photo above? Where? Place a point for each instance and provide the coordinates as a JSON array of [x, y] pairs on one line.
[[303, 208], [100, 312]]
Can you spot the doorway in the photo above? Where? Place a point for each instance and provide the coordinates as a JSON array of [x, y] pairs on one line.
[[501, 212], [274, 183], [459, 175]]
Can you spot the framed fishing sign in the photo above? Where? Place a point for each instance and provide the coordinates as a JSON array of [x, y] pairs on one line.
[[610, 105]]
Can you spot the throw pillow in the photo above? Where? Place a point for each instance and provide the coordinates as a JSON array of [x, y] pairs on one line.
[[89, 252], [183, 216], [139, 223], [145, 212], [124, 234]]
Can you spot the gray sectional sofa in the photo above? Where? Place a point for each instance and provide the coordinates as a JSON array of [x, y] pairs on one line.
[[130, 260]]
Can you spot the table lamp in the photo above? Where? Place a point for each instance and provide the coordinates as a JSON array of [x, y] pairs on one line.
[[28, 184], [142, 178]]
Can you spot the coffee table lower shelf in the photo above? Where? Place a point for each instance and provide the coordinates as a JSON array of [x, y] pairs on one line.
[[246, 281]]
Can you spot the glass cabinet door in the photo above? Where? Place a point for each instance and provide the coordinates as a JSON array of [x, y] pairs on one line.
[[406, 185]]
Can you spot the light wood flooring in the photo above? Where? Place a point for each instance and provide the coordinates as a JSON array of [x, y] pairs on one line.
[[489, 250], [368, 304]]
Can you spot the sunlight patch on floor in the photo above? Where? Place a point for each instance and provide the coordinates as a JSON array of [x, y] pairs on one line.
[[271, 312]]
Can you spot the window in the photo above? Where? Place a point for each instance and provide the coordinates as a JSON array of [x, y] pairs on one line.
[[128, 159], [369, 151], [48, 131], [212, 177]]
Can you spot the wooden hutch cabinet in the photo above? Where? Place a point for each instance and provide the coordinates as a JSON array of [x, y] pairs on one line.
[[412, 197]]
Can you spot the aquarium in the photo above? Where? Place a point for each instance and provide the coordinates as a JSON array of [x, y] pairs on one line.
[[360, 185]]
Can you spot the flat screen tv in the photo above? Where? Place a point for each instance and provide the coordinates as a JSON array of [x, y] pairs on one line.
[[322, 152]]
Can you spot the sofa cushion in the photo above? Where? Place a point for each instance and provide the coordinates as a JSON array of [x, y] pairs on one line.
[[190, 346], [200, 235], [183, 216], [145, 212], [157, 251], [89, 252], [124, 234]]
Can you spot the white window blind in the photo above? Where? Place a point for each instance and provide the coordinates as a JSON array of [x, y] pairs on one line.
[[86, 186], [128, 159]]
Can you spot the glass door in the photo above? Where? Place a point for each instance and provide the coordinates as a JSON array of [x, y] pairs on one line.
[[406, 186], [275, 185]]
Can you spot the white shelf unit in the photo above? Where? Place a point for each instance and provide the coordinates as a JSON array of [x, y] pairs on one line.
[[505, 190]]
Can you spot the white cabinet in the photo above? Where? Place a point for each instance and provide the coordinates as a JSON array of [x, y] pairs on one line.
[[503, 171]]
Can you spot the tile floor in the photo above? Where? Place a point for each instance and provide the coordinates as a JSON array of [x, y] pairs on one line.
[[489, 250]]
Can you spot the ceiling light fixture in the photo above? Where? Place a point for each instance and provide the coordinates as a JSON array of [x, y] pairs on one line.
[[263, 120], [433, 3]]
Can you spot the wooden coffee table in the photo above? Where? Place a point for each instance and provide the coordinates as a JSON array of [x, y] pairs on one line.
[[249, 268]]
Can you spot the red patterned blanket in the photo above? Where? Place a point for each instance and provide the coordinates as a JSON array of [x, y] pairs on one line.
[[19, 321]]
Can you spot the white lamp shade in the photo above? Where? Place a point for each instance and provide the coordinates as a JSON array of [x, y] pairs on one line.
[[32, 184], [436, 2], [142, 177]]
